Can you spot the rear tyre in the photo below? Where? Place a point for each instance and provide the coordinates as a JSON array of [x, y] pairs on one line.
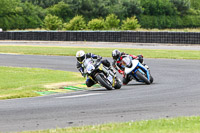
[[104, 82], [142, 77]]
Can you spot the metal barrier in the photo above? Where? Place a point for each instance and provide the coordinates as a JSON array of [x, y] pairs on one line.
[[105, 36]]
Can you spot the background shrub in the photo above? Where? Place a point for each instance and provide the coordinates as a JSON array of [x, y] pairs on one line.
[[130, 24], [161, 22], [77, 23], [191, 21], [112, 22], [96, 24], [52, 22]]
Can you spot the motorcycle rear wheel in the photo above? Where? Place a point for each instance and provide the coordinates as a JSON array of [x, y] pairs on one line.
[[103, 82], [118, 84]]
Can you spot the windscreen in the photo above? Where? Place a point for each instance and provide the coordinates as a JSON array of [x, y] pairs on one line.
[[126, 61]]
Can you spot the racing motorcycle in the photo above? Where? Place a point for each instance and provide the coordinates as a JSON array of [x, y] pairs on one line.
[[100, 74], [136, 71]]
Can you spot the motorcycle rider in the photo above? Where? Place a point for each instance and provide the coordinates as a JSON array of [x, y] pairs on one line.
[[81, 56], [117, 63]]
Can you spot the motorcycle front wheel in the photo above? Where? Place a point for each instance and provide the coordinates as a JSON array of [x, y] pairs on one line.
[[142, 77], [151, 79], [103, 81]]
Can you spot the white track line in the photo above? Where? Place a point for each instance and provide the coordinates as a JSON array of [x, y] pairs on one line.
[[82, 95]]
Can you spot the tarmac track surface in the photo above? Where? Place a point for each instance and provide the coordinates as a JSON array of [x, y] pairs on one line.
[[175, 92]]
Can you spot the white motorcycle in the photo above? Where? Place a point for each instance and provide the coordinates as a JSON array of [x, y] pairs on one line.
[[99, 73], [136, 71]]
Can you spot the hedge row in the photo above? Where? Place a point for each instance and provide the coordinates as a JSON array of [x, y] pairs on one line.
[[162, 22]]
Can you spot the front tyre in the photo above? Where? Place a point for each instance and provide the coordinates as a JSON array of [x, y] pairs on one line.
[[103, 81], [151, 79], [142, 77], [118, 84]]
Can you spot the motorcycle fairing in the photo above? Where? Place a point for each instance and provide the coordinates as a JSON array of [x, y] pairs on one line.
[[134, 65], [137, 66]]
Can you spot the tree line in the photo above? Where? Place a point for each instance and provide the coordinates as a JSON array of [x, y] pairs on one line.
[[99, 14]]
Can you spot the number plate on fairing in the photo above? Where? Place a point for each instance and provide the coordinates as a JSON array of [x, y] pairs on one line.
[[90, 67], [110, 78]]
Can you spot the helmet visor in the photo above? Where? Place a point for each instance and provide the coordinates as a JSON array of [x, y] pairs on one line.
[[115, 57], [80, 59]]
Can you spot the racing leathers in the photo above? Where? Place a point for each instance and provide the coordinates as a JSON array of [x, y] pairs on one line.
[[117, 64], [80, 66]]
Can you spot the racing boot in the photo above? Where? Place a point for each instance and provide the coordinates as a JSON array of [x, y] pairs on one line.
[[145, 65], [126, 79]]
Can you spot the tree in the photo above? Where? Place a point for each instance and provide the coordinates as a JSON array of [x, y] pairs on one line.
[[89, 8], [133, 7], [62, 10], [8, 7], [158, 7], [195, 4], [181, 5], [43, 3], [7, 11], [118, 9], [33, 15], [17, 15], [100, 8]]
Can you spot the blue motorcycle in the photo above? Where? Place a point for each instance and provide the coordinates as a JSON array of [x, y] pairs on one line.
[[136, 71]]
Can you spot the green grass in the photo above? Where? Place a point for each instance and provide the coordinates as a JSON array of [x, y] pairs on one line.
[[22, 82], [105, 52], [174, 125]]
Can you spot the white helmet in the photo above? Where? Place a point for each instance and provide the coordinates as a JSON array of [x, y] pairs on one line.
[[80, 56]]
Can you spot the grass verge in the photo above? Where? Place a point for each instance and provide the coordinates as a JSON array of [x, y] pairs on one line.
[[22, 82], [174, 125], [105, 52]]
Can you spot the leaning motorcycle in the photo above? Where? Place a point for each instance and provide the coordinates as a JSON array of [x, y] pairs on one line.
[[100, 74], [136, 71]]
